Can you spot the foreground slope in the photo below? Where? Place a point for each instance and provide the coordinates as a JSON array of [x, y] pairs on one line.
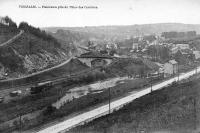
[[173, 109]]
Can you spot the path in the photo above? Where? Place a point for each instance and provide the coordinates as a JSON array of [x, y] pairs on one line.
[[12, 39]]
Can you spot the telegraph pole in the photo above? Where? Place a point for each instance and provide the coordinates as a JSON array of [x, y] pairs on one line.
[[151, 85], [178, 72], [194, 104], [20, 122], [19, 116], [196, 68], [109, 100]]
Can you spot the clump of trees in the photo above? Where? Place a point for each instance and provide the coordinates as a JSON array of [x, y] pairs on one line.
[[8, 28], [129, 66], [9, 59], [173, 34], [37, 32], [10, 22], [150, 38], [157, 52]]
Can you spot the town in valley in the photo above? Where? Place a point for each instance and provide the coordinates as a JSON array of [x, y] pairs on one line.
[[140, 78]]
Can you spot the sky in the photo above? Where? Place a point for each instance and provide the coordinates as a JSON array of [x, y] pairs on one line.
[[109, 12]]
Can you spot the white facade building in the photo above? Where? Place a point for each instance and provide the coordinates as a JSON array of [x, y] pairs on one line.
[[196, 54], [170, 68]]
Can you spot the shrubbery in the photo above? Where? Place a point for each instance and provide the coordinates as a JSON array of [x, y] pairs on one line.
[[87, 78], [10, 22], [174, 34], [37, 32]]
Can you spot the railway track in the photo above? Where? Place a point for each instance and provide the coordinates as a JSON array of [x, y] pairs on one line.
[[81, 119], [54, 80]]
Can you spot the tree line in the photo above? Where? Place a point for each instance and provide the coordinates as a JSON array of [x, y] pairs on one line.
[[174, 34], [37, 32]]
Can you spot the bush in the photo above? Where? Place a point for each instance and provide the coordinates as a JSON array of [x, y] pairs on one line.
[[10, 22], [49, 110], [37, 32]]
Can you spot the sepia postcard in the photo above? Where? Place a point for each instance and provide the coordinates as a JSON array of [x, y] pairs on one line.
[[99, 66]]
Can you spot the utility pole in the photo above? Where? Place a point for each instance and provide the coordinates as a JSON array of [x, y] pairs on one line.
[[196, 68], [109, 100], [194, 103], [20, 122], [178, 72], [151, 84]]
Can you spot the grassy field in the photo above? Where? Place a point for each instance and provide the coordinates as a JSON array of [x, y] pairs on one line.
[[41, 101], [95, 99], [90, 100], [33, 102], [129, 66], [36, 102], [173, 109]]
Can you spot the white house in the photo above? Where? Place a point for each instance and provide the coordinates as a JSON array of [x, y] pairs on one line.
[[177, 47], [196, 54], [135, 46], [170, 68]]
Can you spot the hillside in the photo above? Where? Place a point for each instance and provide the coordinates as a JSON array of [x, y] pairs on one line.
[[7, 32], [72, 67], [71, 39], [134, 67], [174, 109], [32, 51], [131, 30]]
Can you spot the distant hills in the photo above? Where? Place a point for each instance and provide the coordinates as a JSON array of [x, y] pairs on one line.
[[130, 30]]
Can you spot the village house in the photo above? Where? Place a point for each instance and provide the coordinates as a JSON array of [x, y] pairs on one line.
[[135, 46], [184, 56], [196, 54], [170, 68], [153, 66], [183, 46], [177, 47]]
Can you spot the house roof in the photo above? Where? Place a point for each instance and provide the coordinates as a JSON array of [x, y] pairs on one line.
[[159, 64], [180, 45], [151, 64], [187, 51], [173, 62], [94, 55]]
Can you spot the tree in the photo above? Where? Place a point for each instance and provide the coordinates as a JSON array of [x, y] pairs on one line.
[[158, 52], [37, 32], [10, 22], [150, 38], [173, 34]]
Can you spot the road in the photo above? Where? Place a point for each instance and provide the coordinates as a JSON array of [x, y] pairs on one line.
[[12, 39], [45, 70], [117, 104]]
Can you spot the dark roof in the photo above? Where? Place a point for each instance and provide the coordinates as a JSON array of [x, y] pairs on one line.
[[187, 51], [151, 64], [94, 55]]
